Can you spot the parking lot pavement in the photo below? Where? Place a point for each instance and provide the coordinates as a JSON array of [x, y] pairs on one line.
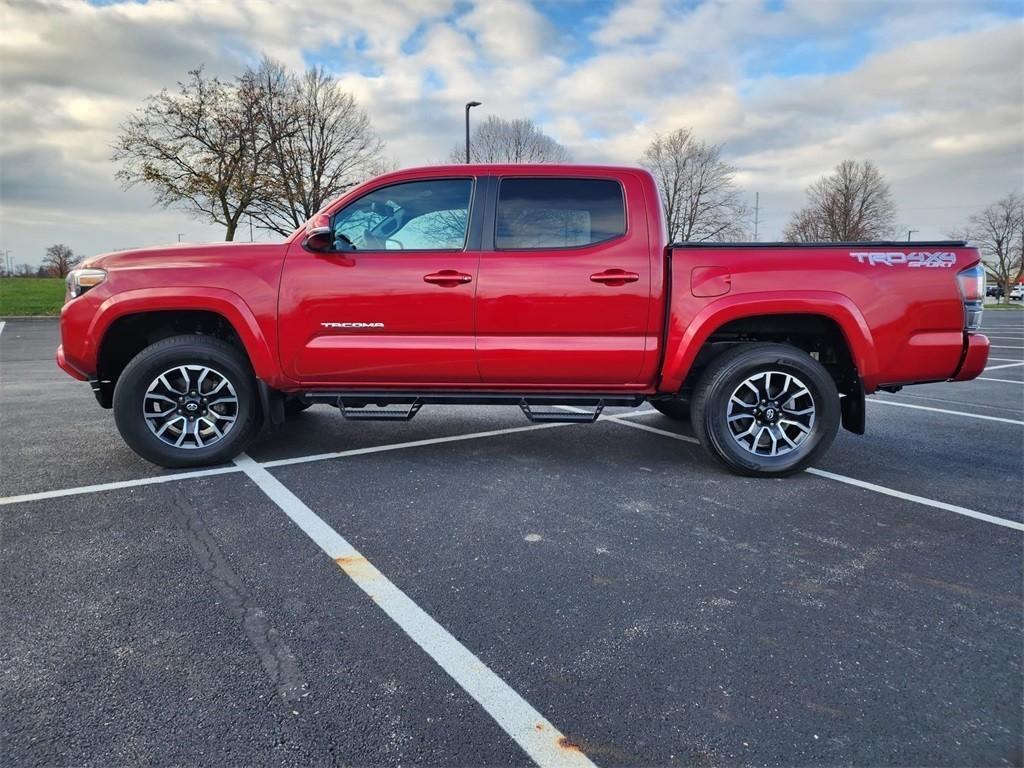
[[56, 436], [649, 607]]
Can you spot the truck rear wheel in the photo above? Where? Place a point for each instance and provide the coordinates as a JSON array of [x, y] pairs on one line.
[[187, 401], [765, 410], [677, 408]]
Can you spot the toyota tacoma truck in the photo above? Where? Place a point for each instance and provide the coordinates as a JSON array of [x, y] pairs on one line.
[[550, 287]]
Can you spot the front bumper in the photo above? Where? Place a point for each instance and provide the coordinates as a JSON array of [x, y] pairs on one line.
[[67, 367], [975, 358]]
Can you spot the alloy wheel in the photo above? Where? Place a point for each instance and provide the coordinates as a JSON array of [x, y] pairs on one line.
[[771, 413], [190, 406]]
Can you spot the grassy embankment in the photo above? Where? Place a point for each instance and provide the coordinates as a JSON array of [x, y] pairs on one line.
[[30, 296], [44, 296]]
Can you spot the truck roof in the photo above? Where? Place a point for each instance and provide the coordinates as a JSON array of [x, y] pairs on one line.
[[517, 168], [829, 244]]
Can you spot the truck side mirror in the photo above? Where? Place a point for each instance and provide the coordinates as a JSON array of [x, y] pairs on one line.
[[318, 234]]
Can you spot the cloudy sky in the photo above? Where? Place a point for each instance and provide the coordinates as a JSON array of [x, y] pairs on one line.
[[931, 90]]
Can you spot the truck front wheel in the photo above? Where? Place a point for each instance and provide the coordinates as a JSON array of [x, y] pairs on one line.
[[187, 401], [765, 410]]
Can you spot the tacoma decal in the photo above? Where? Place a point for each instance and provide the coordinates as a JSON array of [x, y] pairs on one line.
[[352, 325], [940, 259]]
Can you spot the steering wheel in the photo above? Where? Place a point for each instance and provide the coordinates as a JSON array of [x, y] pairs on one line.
[[344, 238]]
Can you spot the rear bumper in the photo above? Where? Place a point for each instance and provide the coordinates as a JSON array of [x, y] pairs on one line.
[[67, 367], [975, 358]]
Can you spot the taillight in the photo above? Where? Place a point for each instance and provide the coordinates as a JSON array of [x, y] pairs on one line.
[[972, 290]]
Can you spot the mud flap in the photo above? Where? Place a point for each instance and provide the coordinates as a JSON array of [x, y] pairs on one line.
[[272, 406], [853, 409]]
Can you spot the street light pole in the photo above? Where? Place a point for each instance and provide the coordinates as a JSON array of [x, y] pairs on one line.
[[469, 106]]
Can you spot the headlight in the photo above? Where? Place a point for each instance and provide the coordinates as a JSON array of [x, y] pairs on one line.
[[81, 280]]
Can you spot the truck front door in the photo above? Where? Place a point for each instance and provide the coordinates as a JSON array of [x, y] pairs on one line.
[[392, 303]]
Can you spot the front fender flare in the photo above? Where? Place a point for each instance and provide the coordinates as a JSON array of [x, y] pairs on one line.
[[223, 302], [685, 343]]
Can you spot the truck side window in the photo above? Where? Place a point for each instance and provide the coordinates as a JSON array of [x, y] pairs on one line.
[[558, 213], [429, 215]]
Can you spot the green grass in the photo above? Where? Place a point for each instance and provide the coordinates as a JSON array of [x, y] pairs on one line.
[[30, 296], [45, 295]]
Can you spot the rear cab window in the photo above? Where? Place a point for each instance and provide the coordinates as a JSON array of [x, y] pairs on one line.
[[553, 213]]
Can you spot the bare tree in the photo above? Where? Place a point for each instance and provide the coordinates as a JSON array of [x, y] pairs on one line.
[[998, 232], [698, 194], [510, 141], [854, 203], [321, 143], [202, 149], [59, 260]]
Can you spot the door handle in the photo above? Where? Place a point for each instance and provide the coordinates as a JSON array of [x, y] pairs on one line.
[[448, 278], [614, 277]]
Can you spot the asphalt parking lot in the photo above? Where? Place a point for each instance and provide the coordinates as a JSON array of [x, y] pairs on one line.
[[470, 589]]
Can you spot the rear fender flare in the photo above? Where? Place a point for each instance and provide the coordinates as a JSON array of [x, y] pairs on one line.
[[684, 346], [225, 303]]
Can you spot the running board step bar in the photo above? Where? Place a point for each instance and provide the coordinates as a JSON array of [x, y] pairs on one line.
[[374, 413], [575, 416], [576, 407]]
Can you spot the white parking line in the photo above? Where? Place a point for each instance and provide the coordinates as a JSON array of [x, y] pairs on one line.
[[1001, 381], [655, 430], [1005, 359], [115, 486], [544, 743], [274, 463], [905, 397], [410, 444], [919, 499], [996, 346], [997, 367], [943, 410], [2, 325], [860, 484]]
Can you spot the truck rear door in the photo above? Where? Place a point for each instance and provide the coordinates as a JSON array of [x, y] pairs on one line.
[[564, 290]]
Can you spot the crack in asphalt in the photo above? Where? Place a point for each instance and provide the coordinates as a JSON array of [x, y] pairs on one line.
[[275, 655]]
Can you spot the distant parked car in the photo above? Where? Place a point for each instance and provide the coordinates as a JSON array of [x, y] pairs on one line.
[[994, 291], [1017, 294]]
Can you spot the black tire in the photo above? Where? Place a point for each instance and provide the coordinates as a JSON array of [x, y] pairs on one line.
[[728, 372], [156, 359], [678, 409], [293, 406]]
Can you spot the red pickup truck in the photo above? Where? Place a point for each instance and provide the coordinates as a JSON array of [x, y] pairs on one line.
[[540, 286]]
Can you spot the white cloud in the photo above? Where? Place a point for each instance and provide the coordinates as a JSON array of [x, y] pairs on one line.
[[631, 20], [932, 92]]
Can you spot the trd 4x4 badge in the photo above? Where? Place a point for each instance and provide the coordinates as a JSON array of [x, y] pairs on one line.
[[940, 259]]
